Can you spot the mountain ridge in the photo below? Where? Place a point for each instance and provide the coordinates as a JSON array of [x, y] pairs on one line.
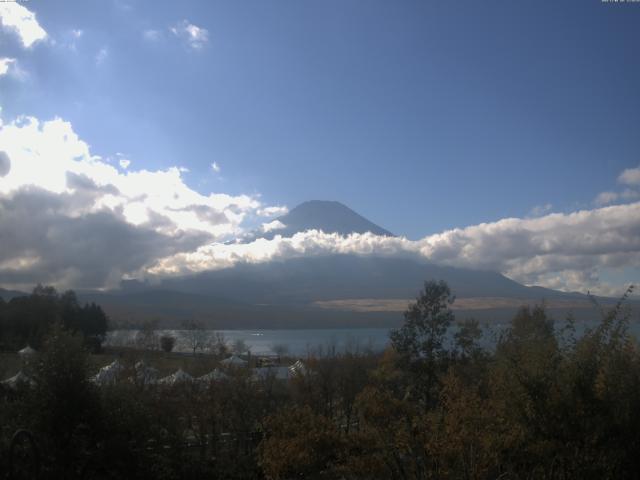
[[328, 216]]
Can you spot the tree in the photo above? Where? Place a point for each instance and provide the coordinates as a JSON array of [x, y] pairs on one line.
[[280, 349], [167, 342], [195, 335], [300, 444], [66, 406], [420, 341], [467, 337], [239, 346], [147, 337]]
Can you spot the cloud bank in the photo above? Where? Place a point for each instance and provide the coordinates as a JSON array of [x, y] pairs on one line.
[[71, 218], [563, 251]]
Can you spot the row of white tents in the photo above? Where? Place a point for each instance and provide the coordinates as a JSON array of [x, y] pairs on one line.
[[147, 375]]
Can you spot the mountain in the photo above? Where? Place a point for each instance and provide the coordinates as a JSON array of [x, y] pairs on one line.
[[334, 277], [330, 290], [7, 295], [321, 291], [328, 216]]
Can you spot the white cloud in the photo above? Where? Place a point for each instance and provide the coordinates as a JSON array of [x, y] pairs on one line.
[[45, 164], [151, 35], [630, 176], [559, 250], [124, 163], [22, 21], [605, 198], [76, 33], [539, 210], [5, 64], [195, 37], [62, 202], [274, 211], [629, 194], [102, 55], [215, 167], [271, 226]]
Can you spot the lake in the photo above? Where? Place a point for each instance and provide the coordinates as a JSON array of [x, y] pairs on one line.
[[300, 342]]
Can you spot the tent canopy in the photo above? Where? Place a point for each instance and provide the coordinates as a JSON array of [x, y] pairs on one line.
[[234, 360], [18, 379], [27, 351]]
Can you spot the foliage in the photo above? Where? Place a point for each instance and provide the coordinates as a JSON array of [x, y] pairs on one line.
[[26, 320], [167, 342], [435, 405]]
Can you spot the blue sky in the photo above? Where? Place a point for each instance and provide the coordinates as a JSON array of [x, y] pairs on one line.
[[422, 116]]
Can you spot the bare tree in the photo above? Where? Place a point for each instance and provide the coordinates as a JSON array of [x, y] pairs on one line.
[[219, 346], [147, 338], [239, 346], [194, 335], [280, 349]]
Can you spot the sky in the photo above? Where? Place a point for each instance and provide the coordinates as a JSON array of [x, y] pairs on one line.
[[484, 134]]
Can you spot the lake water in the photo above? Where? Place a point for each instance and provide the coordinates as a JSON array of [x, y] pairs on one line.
[[262, 342], [300, 342]]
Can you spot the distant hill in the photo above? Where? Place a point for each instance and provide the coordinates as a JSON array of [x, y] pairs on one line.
[[7, 295]]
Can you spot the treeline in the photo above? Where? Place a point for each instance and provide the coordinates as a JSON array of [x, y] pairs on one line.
[[27, 320], [544, 404]]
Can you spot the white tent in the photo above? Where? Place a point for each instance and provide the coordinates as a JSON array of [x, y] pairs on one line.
[[234, 361], [108, 375], [144, 374], [212, 376], [27, 351], [178, 377], [17, 380]]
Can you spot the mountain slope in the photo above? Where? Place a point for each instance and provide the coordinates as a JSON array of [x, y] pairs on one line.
[[328, 216]]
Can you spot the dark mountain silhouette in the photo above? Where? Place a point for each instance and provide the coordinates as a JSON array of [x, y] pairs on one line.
[[9, 294], [328, 216]]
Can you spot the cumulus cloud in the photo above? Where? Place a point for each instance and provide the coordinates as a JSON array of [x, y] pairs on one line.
[[124, 163], [47, 237], [606, 198], [558, 250], [70, 218], [272, 226], [20, 20], [5, 164], [630, 176], [215, 167], [52, 186], [194, 37], [5, 64], [274, 211]]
